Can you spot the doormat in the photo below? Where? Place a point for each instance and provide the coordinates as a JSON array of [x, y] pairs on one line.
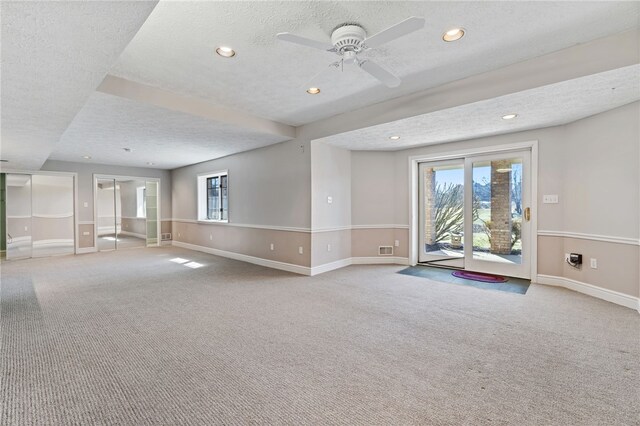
[[511, 285], [478, 276]]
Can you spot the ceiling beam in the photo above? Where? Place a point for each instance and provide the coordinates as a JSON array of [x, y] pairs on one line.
[[620, 50], [139, 92]]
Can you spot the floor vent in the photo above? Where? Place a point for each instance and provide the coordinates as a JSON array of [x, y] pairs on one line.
[[385, 251], [166, 236]]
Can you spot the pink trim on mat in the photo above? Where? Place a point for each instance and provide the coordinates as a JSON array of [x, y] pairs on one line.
[[479, 276]]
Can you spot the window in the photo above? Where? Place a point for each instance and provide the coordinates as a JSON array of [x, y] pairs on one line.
[[141, 201], [213, 197]]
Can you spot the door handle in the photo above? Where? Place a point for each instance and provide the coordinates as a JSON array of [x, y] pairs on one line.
[[527, 214]]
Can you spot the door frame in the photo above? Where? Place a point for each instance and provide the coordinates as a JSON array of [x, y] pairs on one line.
[[413, 176], [97, 176]]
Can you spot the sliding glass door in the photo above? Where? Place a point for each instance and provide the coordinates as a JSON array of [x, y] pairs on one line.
[[442, 213], [475, 214], [498, 237]]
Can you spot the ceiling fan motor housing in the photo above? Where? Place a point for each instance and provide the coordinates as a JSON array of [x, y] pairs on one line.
[[348, 38]]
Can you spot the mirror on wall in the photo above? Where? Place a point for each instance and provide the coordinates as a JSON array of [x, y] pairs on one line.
[[18, 216], [38, 215], [126, 213]]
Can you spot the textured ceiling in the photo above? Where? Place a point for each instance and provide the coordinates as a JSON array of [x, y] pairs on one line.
[[545, 106], [174, 50], [169, 139], [54, 55]]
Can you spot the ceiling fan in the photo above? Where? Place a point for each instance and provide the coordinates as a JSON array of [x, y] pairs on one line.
[[349, 40]]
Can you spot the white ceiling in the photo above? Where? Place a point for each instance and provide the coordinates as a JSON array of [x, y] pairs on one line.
[[169, 139], [545, 106], [174, 50], [54, 55]]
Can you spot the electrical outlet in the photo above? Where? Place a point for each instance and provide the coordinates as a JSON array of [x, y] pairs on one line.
[[211, 237], [272, 247], [328, 247], [396, 243], [86, 204], [86, 233], [300, 250], [566, 257], [594, 263], [178, 234]]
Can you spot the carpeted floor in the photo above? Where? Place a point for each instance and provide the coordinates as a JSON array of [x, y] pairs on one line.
[[132, 338]]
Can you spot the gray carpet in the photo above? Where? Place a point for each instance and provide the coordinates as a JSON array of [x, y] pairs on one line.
[[131, 338]]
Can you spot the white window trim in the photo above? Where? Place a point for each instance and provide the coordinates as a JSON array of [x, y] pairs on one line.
[[202, 197]]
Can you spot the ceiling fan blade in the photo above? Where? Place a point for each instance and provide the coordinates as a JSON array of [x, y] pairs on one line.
[[398, 30], [292, 38], [380, 73]]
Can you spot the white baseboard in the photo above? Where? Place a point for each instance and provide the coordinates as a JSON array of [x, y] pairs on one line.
[[290, 267], [591, 290], [316, 270], [380, 260], [389, 260], [86, 250]]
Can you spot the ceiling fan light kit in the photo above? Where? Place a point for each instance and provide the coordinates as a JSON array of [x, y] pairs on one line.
[[350, 40]]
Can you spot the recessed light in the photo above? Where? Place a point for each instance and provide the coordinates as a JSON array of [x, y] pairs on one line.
[[453, 34], [226, 52], [86, 157], [313, 90], [150, 163], [394, 138], [509, 116]]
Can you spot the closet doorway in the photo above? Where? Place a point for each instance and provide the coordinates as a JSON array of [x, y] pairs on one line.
[[37, 214], [126, 212]]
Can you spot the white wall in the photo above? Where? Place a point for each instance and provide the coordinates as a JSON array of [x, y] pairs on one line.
[[330, 177], [374, 188], [85, 183], [268, 186]]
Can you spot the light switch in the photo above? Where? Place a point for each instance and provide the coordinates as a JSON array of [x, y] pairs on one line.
[[86, 233], [85, 204], [300, 250], [329, 200], [550, 199]]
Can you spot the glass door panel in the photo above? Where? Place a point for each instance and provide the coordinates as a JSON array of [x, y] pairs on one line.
[[106, 214], [442, 213], [18, 209], [497, 237], [151, 205], [53, 215]]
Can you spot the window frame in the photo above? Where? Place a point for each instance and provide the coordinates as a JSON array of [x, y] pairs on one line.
[[203, 195]]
